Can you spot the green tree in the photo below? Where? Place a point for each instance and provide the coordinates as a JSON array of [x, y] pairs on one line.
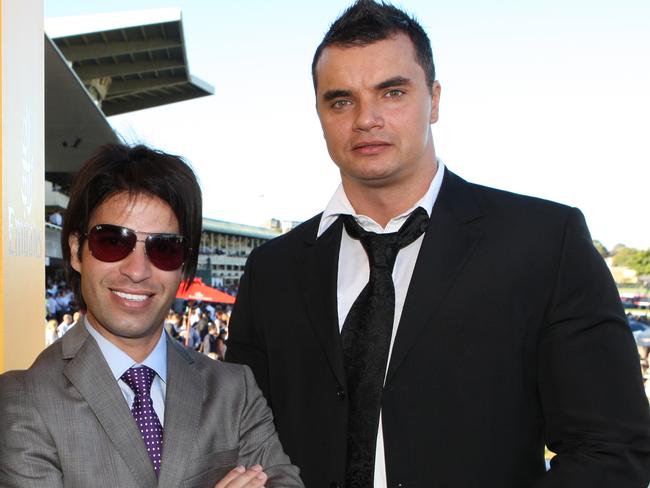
[[638, 260], [602, 250], [642, 262]]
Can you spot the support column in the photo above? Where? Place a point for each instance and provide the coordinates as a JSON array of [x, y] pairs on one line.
[[22, 261]]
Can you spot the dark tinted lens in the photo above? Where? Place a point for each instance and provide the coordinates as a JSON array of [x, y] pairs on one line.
[[111, 243], [166, 251]]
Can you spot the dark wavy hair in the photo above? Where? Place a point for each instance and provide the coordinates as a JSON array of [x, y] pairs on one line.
[[135, 170], [367, 21]]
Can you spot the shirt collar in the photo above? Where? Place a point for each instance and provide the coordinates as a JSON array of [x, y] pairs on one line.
[[119, 361], [340, 205]]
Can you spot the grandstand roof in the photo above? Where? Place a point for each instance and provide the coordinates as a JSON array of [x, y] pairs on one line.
[[223, 227], [138, 57], [143, 53], [74, 125]]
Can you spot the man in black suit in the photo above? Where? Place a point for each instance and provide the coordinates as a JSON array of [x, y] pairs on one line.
[[446, 359]]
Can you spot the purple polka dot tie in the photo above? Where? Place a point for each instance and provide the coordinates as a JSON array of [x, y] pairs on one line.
[[139, 380]]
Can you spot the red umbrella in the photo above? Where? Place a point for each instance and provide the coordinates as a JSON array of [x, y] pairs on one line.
[[200, 291]]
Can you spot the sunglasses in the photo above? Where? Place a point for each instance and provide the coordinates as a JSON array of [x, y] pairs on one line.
[[111, 243]]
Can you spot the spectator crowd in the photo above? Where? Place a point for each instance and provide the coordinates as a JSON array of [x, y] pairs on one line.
[[199, 326]]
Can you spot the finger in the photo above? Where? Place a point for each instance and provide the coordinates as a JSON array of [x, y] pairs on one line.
[[254, 477], [260, 477], [232, 474]]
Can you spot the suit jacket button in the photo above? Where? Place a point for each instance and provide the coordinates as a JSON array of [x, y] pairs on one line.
[[340, 394]]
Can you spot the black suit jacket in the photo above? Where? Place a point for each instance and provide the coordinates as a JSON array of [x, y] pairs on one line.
[[512, 336]]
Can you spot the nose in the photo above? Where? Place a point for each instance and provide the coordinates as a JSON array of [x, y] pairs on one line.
[[368, 116], [136, 266]]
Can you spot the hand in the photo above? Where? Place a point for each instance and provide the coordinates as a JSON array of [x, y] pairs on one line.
[[241, 477]]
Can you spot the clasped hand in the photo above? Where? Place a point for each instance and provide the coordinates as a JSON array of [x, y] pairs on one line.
[[240, 477]]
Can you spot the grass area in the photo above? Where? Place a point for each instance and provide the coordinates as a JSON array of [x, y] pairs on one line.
[[636, 288]]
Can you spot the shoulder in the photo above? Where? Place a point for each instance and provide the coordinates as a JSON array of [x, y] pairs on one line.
[[224, 381], [38, 383], [213, 370], [497, 203], [48, 363], [18, 395], [11, 385]]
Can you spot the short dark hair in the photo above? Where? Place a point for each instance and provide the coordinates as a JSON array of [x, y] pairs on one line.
[[135, 170], [366, 22]]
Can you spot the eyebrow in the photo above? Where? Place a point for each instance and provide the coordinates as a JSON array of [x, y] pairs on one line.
[[394, 81], [330, 95]]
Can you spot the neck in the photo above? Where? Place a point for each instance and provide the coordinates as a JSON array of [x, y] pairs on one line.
[[138, 352], [382, 203], [137, 348]]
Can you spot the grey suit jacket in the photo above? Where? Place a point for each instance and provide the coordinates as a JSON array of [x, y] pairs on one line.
[[65, 423]]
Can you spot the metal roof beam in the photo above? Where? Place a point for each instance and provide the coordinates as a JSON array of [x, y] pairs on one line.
[[124, 69], [116, 107], [115, 48], [131, 87]]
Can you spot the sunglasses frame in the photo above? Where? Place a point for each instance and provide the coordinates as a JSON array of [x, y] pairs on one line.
[[151, 237]]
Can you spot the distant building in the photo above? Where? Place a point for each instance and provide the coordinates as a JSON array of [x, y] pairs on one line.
[[225, 246], [283, 226]]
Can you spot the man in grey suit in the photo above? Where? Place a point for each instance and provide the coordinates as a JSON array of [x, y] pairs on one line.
[[115, 402]]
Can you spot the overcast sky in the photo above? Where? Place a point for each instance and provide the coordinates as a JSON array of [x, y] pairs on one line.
[[547, 98]]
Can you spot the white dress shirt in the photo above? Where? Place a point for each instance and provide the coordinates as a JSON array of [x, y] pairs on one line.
[[119, 362], [354, 270]]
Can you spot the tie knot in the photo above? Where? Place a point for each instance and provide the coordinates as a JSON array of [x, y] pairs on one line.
[[382, 249], [139, 379]]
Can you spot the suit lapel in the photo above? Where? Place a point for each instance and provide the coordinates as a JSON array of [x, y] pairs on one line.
[[183, 403], [318, 282], [88, 371], [447, 245]]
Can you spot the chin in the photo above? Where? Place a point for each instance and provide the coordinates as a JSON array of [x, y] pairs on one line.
[[132, 331]]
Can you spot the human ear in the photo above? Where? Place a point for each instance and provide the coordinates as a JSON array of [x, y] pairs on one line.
[[75, 261], [435, 102]]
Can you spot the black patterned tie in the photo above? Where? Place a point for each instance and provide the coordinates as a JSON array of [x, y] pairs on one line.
[[365, 336]]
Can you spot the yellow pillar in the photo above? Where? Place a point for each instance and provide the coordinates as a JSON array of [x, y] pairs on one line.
[[22, 261], [2, 288]]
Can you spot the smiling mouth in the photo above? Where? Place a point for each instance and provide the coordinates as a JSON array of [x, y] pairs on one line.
[[131, 296]]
